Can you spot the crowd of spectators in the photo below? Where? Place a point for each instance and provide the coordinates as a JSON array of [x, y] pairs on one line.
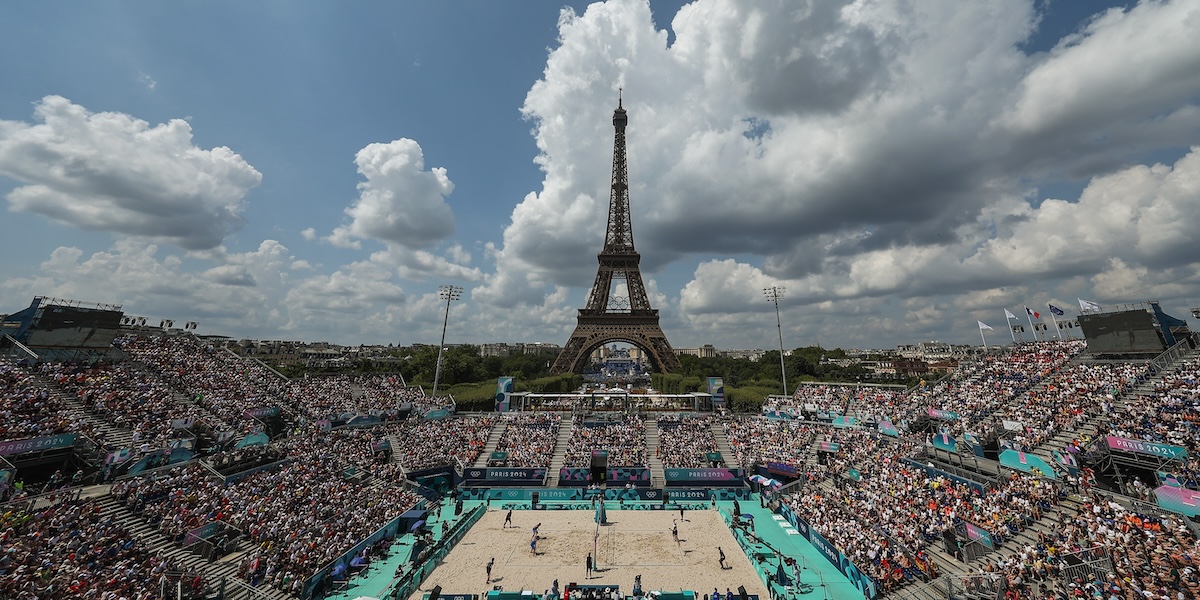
[[976, 391], [684, 442], [430, 443], [296, 518], [322, 397], [760, 440], [1169, 415], [529, 439], [624, 440], [382, 392], [1073, 395], [330, 396], [28, 410], [237, 460], [220, 381], [124, 396], [901, 508], [71, 550], [1152, 556]]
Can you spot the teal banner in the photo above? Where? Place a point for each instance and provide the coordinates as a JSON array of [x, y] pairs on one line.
[[505, 476], [1029, 463], [980, 535], [1178, 500], [160, 458], [265, 412], [1160, 450], [844, 422], [438, 414], [363, 421], [888, 429], [716, 387], [254, 439], [37, 444], [945, 415], [724, 477], [504, 390], [943, 441]]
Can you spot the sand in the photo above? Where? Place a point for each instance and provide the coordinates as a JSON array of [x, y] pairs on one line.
[[632, 543]]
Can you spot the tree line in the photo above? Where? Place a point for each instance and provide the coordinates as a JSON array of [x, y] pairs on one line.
[[471, 378]]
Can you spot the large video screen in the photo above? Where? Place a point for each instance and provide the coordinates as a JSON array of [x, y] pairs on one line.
[[69, 327], [1121, 332]]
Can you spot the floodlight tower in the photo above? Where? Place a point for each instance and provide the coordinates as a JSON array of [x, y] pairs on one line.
[[449, 293], [774, 294]]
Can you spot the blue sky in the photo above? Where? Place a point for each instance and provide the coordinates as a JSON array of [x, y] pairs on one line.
[[315, 170]]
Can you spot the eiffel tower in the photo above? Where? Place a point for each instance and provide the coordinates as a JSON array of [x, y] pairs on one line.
[[609, 318]]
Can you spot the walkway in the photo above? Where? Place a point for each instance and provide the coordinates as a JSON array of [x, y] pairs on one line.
[[379, 577], [827, 581]]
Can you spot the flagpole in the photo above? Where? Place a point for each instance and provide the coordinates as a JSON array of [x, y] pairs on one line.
[[984, 339], [1008, 321], [1055, 321], [1029, 317]]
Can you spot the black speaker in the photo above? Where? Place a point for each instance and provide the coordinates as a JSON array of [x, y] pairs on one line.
[[666, 497], [535, 498], [458, 507], [741, 592], [950, 542], [435, 592]]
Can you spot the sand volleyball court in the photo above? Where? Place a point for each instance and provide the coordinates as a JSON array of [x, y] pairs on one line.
[[634, 542]]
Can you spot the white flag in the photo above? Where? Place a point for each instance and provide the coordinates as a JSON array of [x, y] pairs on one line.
[[1009, 314], [983, 326], [1088, 305]]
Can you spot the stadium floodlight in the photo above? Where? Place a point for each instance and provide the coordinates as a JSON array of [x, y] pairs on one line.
[[774, 294], [449, 293]]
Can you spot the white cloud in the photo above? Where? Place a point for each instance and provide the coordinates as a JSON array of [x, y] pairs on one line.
[[147, 283], [1141, 64], [112, 172], [900, 156], [400, 202]]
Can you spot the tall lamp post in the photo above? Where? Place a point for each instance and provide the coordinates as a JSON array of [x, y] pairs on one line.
[[774, 294], [449, 293]]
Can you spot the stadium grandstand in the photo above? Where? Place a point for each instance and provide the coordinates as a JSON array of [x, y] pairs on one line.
[[155, 464]]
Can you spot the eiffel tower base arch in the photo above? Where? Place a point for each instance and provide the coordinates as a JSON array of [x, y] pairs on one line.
[[592, 332]]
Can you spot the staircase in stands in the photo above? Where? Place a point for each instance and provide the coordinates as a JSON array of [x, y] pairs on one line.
[[657, 477], [722, 441], [493, 441], [110, 435], [560, 451], [156, 542]]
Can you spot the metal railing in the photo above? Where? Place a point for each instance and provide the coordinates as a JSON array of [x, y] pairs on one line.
[[405, 585], [1089, 564], [1163, 361], [233, 588], [18, 350]]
